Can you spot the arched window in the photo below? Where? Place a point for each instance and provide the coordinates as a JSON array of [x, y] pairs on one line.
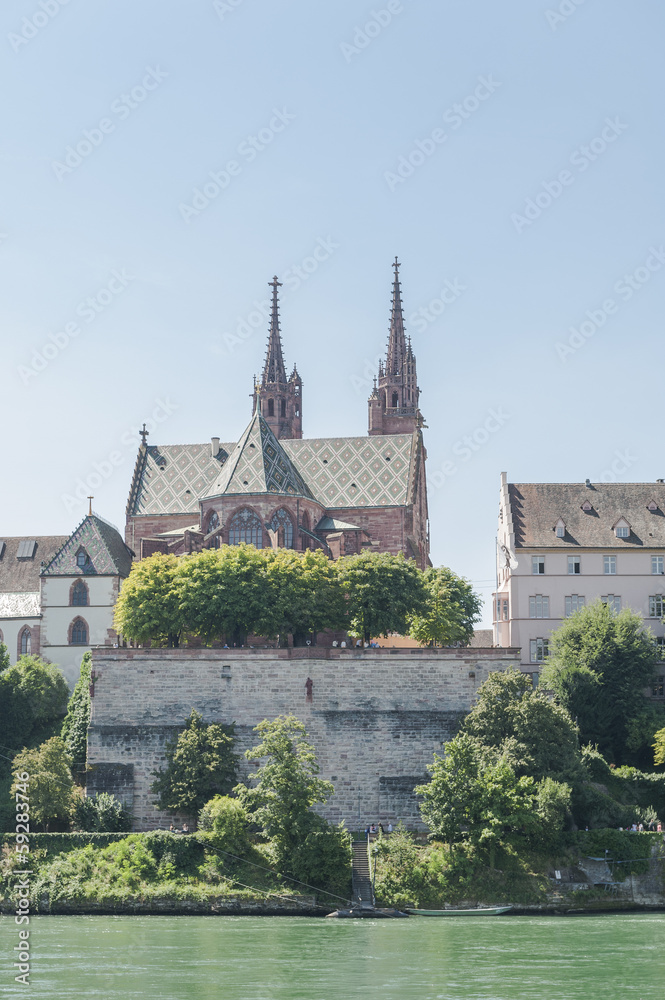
[[213, 522], [271, 407], [79, 598], [25, 642], [282, 408], [79, 633], [245, 526], [395, 399], [2, 638], [281, 523], [81, 558]]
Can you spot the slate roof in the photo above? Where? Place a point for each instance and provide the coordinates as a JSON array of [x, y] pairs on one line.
[[20, 605], [169, 479], [21, 576], [108, 554], [355, 472], [259, 464], [536, 508], [337, 472]]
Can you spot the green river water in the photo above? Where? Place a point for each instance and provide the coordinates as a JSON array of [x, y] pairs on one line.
[[298, 958]]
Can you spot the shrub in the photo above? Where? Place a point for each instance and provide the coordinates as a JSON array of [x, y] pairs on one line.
[[102, 813]]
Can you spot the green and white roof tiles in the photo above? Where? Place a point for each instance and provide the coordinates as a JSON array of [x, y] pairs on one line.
[[340, 472], [107, 553], [259, 464]]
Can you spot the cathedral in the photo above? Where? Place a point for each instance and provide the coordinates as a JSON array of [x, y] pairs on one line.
[[276, 488]]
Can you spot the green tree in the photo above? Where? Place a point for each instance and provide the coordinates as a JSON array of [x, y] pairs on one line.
[[304, 595], [4, 657], [49, 782], [383, 592], [641, 733], [224, 593], [537, 734], [227, 820], [475, 796], [287, 786], [102, 813], [33, 698], [599, 664], [451, 611], [75, 727], [149, 606], [200, 763], [659, 747]]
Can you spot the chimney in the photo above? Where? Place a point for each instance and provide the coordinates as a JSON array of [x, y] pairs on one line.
[[214, 447]]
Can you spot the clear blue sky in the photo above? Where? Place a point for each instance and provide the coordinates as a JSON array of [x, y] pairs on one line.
[[564, 109]]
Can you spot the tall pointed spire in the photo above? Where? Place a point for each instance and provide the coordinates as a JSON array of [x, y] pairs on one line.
[[273, 370], [396, 340]]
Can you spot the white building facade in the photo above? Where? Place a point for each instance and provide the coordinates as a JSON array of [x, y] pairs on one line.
[[561, 546]]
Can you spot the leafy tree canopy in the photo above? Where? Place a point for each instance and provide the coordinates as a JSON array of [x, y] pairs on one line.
[[305, 595], [148, 607], [4, 657], [659, 747], [200, 763], [451, 610], [75, 727], [49, 781], [287, 786], [102, 813], [33, 696], [599, 664], [538, 735], [383, 593]]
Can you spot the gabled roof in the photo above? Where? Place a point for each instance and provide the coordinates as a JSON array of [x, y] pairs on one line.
[[536, 507], [170, 478], [104, 545], [334, 524], [259, 464], [21, 575]]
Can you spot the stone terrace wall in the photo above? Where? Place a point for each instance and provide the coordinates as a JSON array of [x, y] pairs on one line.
[[375, 716]]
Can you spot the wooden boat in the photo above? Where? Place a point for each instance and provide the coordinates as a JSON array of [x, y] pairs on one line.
[[480, 911]]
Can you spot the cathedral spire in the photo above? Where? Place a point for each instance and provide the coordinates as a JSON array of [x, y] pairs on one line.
[[396, 340], [274, 370]]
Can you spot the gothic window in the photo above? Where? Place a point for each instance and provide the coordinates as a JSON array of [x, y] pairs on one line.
[[1, 636], [395, 401], [271, 407], [245, 526], [79, 633], [213, 521], [79, 594], [282, 408], [25, 642], [281, 523]]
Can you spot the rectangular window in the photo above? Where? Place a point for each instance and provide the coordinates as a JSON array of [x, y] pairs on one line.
[[657, 567], [613, 601], [609, 565], [504, 611], [538, 565], [656, 606], [573, 565], [660, 646], [574, 603], [623, 532], [658, 689], [501, 609], [539, 606], [539, 650]]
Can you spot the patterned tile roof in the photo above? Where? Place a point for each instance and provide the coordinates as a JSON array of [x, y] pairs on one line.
[[536, 508], [20, 605], [21, 576], [259, 464], [169, 479], [107, 552], [355, 472]]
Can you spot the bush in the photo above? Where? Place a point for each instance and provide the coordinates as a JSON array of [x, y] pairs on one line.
[[227, 821], [102, 813]]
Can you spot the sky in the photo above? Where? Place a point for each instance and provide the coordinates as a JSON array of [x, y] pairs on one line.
[[160, 161]]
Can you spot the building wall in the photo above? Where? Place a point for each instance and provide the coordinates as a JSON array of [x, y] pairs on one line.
[[58, 615], [375, 718]]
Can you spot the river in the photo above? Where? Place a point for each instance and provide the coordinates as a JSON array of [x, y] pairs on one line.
[[298, 958]]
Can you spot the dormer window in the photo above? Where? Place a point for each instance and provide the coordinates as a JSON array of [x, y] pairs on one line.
[[587, 506], [81, 558], [560, 529], [652, 506], [622, 528]]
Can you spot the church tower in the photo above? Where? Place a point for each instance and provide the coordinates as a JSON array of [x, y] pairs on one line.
[[279, 399], [393, 404]]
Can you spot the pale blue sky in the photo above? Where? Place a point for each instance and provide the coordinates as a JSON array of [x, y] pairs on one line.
[[575, 96]]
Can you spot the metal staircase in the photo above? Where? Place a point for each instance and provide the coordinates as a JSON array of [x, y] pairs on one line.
[[363, 892]]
